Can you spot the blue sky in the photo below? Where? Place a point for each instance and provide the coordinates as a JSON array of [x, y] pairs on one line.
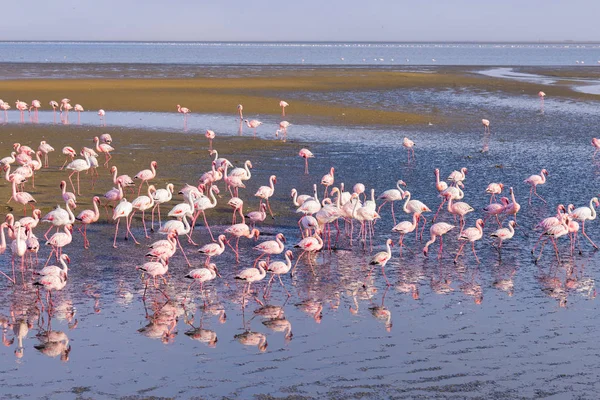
[[311, 20]]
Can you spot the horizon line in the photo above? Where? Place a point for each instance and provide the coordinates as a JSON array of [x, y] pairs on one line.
[[566, 41]]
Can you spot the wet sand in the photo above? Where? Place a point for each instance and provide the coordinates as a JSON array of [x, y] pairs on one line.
[[261, 90]]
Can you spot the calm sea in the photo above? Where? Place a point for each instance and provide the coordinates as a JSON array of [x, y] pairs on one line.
[[245, 53]]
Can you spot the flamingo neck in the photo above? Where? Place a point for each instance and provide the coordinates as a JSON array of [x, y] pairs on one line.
[[246, 167], [295, 199], [389, 250], [430, 242], [96, 210], [2, 237], [405, 207], [213, 202], [115, 176], [65, 267], [216, 155], [593, 209]]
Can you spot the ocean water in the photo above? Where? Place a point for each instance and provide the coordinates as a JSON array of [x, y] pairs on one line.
[[230, 53]]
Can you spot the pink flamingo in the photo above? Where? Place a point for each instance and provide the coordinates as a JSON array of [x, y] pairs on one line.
[[54, 106], [112, 196], [457, 176], [328, 180], [392, 195], [265, 192], [161, 196], [210, 135], [495, 209], [87, 217], [271, 247], [512, 208], [123, 209], [51, 283], [253, 124], [45, 148], [238, 205], [541, 95], [586, 214], [240, 108], [279, 268], [69, 153], [67, 195], [382, 258], [415, 207], [201, 275], [471, 234], [185, 111], [239, 231], [60, 240], [535, 180], [21, 106], [124, 180], [103, 148], [258, 216], [77, 166], [409, 146], [154, 269], [102, 115], [283, 125], [251, 275], [203, 203], [283, 105], [503, 234], [554, 233], [213, 249], [437, 229], [146, 174], [79, 109], [405, 227], [106, 138], [306, 154], [180, 228], [56, 270], [494, 189], [35, 104], [143, 203], [311, 245], [5, 107], [596, 144], [459, 208], [486, 125], [23, 198]]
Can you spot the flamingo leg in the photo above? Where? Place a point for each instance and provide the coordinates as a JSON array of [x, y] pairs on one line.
[[474, 253], [540, 197], [129, 229], [116, 231], [441, 248], [460, 249], [207, 226], [586, 236], [73, 186]]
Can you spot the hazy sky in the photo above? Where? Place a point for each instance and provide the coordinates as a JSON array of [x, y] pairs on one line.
[[311, 20]]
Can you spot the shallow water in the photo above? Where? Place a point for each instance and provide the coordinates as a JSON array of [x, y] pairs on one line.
[[505, 328]]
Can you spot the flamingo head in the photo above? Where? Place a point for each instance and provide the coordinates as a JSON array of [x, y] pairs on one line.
[[463, 170], [512, 223], [70, 227], [289, 254], [596, 202], [545, 172], [294, 192], [401, 182], [281, 237], [154, 164], [407, 193], [389, 242], [561, 208], [62, 184], [66, 258]]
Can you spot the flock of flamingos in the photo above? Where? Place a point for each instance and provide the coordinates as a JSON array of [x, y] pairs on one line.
[[320, 213]]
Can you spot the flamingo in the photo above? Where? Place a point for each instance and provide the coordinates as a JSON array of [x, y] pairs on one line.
[[240, 108], [45, 148], [513, 207], [68, 152], [583, 214], [437, 229], [535, 180], [283, 125], [56, 270], [78, 166], [409, 146], [8, 160], [154, 269], [210, 135], [415, 207], [439, 185], [87, 217], [106, 138], [103, 148], [54, 106], [494, 189], [237, 204], [265, 192], [180, 228], [23, 198], [596, 144], [382, 258], [65, 104], [18, 248], [283, 105], [471, 234], [496, 209], [220, 162], [21, 106], [201, 275], [299, 200], [279, 268], [503, 234], [271, 247], [240, 231], [124, 180], [251, 275], [60, 240], [392, 195], [183, 110], [123, 209], [102, 115], [79, 109], [460, 208], [51, 283], [457, 176], [161, 196], [146, 174], [5, 107], [30, 223], [405, 227], [213, 249], [164, 249], [59, 217], [306, 154], [541, 95], [143, 203], [203, 203], [486, 125], [35, 104], [328, 180], [67, 195], [258, 216], [254, 123]]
